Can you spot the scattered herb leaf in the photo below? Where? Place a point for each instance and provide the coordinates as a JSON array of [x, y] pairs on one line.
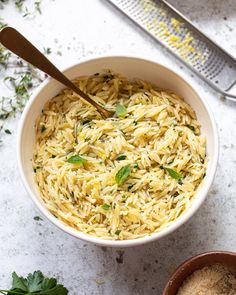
[[37, 218], [120, 110], [106, 207], [43, 128], [130, 186], [122, 174], [76, 159], [37, 5], [85, 122], [173, 173], [121, 157], [117, 232], [180, 181], [191, 127], [7, 131], [47, 50], [135, 166]]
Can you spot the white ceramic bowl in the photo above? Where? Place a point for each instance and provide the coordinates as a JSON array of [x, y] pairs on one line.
[[132, 68]]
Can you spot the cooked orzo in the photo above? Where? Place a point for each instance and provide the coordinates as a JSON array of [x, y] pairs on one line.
[[123, 177]]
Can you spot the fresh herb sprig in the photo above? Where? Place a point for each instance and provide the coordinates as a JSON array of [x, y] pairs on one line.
[[20, 77], [35, 283], [21, 7]]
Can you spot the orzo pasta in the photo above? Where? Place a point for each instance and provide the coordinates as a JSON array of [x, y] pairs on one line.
[[124, 177]]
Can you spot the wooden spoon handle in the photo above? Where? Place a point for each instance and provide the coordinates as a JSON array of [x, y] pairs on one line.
[[19, 45]]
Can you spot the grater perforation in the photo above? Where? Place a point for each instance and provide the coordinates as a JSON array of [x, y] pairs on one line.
[[174, 31]]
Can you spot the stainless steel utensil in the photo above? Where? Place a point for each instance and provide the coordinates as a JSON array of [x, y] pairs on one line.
[[174, 31], [19, 45]]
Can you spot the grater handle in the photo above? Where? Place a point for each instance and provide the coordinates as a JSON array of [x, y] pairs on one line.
[[230, 93]]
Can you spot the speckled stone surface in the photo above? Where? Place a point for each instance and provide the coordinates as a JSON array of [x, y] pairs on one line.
[[82, 29]]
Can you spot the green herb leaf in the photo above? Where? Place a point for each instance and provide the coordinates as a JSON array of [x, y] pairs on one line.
[[120, 110], [180, 181], [173, 173], [121, 157], [130, 186], [19, 282], [106, 207], [76, 159], [7, 131], [135, 166], [117, 232], [86, 122], [35, 283], [191, 127], [122, 174], [37, 218], [43, 128], [47, 50]]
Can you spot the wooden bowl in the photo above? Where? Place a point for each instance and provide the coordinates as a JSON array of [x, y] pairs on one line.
[[197, 262]]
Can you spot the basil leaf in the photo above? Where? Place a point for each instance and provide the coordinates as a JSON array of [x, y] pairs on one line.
[[106, 207], [173, 173], [120, 110], [121, 157], [117, 232], [76, 159], [122, 174]]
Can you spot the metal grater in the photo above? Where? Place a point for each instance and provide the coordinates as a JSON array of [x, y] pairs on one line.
[[170, 28]]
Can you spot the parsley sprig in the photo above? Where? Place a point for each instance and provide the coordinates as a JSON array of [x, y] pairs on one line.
[[35, 283]]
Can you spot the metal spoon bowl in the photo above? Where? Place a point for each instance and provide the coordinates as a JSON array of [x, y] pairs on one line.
[[18, 44]]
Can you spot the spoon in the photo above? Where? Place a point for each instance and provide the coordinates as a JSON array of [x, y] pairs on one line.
[[19, 45]]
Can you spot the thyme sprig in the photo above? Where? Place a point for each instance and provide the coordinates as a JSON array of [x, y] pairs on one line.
[[22, 8], [18, 76]]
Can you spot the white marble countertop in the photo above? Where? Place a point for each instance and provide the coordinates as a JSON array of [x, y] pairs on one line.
[[83, 29]]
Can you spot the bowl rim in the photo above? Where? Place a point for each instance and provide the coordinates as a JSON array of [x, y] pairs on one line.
[[132, 242], [189, 263]]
